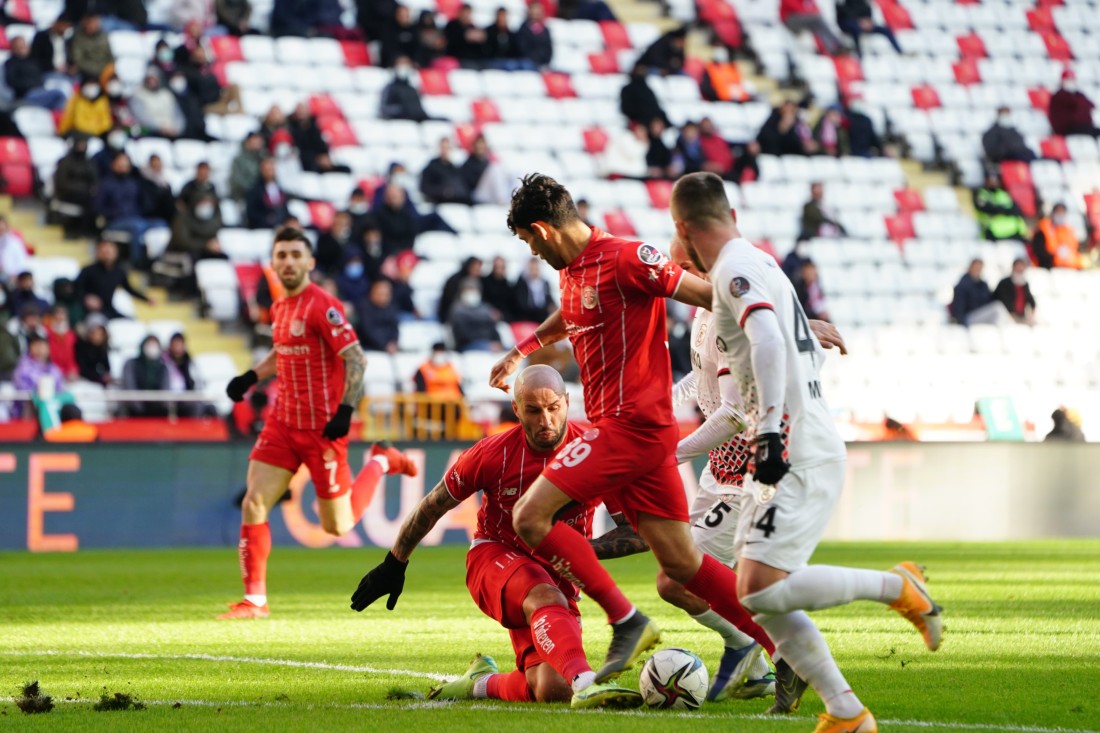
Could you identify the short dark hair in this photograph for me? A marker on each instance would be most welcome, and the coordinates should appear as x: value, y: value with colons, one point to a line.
x: 70, y: 412
x: 292, y: 234
x: 699, y: 199
x: 540, y: 198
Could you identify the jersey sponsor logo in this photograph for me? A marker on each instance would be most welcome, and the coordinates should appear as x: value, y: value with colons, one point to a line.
x: 333, y: 316
x: 297, y: 327
x: 650, y: 255
x: 285, y: 350
x: 589, y: 298
x: 510, y: 491
x: 720, y: 343
x: 739, y: 286
x: 345, y: 327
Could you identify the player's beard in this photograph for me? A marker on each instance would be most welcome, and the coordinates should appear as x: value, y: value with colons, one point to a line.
x: 550, y: 444
x: 295, y: 281
x: 693, y: 255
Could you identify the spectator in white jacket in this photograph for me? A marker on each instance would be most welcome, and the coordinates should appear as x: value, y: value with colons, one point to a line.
x: 155, y: 108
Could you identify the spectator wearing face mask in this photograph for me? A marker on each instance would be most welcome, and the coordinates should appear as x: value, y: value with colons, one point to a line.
x: 87, y: 112
x: 352, y: 282
x: 471, y: 269
x: 1070, y: 111
x: 121, y: 114
x: 1003, y: 142
x: 147, y: 372
x: 190, y: 106
x: 35, y: 367
x: 265, y: 203
x: 438, y: 377
x: 74, y: 182
x: 378, y: 319
x: 400, y: 38
x: 182, y: 375
x: 196, y: 223
x: 333, y: 246
x: 92, y: 351
x: 164, y: 60
x: 62, y: 342
x: 359, y: 214
x: 1014, y: 293
x: 473, y: 323
x: 156, y: 109
x: 244, y: 171
x: 1055, y: 243
x: 89, y: 49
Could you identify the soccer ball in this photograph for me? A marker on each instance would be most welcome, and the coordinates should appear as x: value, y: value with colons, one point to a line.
x: 675, y: 679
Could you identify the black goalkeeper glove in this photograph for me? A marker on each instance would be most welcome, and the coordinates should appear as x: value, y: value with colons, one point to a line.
x: 387, y: 577
x: 240, y: 384
x: 340, y: 423
x: 770, y: 464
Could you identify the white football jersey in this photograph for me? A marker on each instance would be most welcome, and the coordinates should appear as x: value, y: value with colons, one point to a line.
x: 727, y: 461
x: 747, y: 279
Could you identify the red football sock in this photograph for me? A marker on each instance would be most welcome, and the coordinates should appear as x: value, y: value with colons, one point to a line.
x: 254, y: 547
x: 511, y: 687
x: 717, y: 585
x: 362, y: 488
x: 569, y: 553
x: 557, y: 635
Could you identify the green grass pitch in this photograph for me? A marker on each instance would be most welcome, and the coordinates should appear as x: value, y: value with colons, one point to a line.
x: 1021, y: 651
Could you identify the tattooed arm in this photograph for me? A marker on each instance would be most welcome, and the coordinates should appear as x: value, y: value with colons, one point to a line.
x: 355, y: 366
x: 418, y: 524
x: 618, y: 542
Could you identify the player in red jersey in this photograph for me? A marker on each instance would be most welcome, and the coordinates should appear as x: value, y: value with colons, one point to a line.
x: 509, y: 584
x: 613, y: 311
x: 320, y: 364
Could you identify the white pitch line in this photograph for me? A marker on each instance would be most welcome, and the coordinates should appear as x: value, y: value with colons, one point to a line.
x: 488, y: 707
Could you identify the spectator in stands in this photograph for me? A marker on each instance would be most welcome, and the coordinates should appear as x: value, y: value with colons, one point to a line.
x: 433, y: 43
x: 72, y: 427
x: 292, y: 18
x: 497, y: 292
x: 998, y: 215
x: 973, y: 301
x: 74, y: 183
x: 487, y: 180
x: 666, y: 54
x: 810, y: 295
x: 397, y: 224
x: 352, y: 282
x: 49, y: 49
x: 87, y: 112
x: 398, y: 269
x: 197, y: 221
x: 658, y: 158
x: 501, y: 48
x: 64, y: 294
x: 92, y: 351
x: 804, y: 15
x: 596, y: 10
x: 1014, y: 293
x: 441, y: 181
x: 1070, y: 111
x: 785, y: 132
x: 358, y: 210
x: 533, y: 37
x: 244, y: 172
x: 473, y: 323
x: 35, y: 366
x: 863, y: 139
x: 854, y: 17
x: 689, y: 149
x: 532, y: 294
x: 637, y: 101
x: 14, y: 258
x: 156, y: 190
x: 164, y: 59
x: 399, y: 99
x: 583, y: 211
x: 265, y: 202
x: 26, y: 79
x: 1003, y: 142
x: 120, y: 202
x: 234, y: 15
x: 313, y: 151
x: 182, y: 375
x: 470, y: 270
x: 146, y: 372
x: 155, y: 108
x: 26, y: 326
x: 333, y: 246
x: 62, y: 341
x: 123, y: 15
x: 190, y: 106
x: 721, y: 80
x: 465, y: 41
x: 626, y: 153
x: 830, y: 133
x: 198, y: 187
x: 89, y: 48
x: 191, y: 14
x: 1067, y: 427
x: 818, y: 219
x: 400, y: 38
x: 9, y: 345
x: 122, y: 116
x: 23, y: 295
x: 1055, y: 243
x: 438, y: 377
x: 378, y: 318
x: 717, y: 155
x: 96, y: 284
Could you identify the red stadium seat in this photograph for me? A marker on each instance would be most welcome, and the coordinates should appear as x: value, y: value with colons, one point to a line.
x: 909, y: 200
x: 1055, y: 148
x: 766, y: 245
x: 448, y: 8
x: 465, y: 134
x: 14, y: 150
x: 218, y: 70
x: 1040, y: 19
x: 226, y: 48
x: 595, y: 140
x: 695, y: 68
x: 925, y: 97
x: 322, y: 213
x: 971, y: 46
x: 485, y: 110
x: 848, y: 69
x: 558, y: 85
x: 1092, y: 214
x: 966, y: 71
x: 660, y: 193
x: 434, y: 82
x: 20, y: 10
x: 604, y: 63
x: 1016, y: 173
x: 356, y: 53
x: 1024, y: 196
x: 615, y: 37
x: 337, y: 132
x: 248, y: 279
x: 900, y: 227
x: 370, y: 184
x: 729, y: 32
x: 896, y: 16
x: 1057, y: 48
x: 17, y: 180
x: 4, y: 45
x: 522, y: 329
x: 619, y: 225
x: 716, y: 11
x: 323, y: 105
x: 1040, y: 98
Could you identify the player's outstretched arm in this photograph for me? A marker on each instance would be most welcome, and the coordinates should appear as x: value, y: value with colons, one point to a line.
x: 724, y: 423
x: 355, y: 366
x: 388, y: 577
x: 241, y: 383
x: 694, y: 290
x: 618, y: 542
x: 828, y: 336
x: 549, y: 332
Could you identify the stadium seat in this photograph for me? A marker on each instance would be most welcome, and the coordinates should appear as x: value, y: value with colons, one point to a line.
x: 909, y: 200
x: 971, y: 46
x: 1054, y: 148
x: 14, y: 151
x: 226, y: 48
x: 925, y: 97
x: 619, y: 225
x: 660, y: 193
x: 558, y: 86
x: 434, y: 82
x: 603, y: 63
x: 595, y: 140
x: 900, y: 227
x: 485, y: 111
x: 17, y: 180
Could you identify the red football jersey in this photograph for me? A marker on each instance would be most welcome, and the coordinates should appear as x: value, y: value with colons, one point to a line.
x: 612, y: 302
x: 310, y: 332
x: 504, y: 466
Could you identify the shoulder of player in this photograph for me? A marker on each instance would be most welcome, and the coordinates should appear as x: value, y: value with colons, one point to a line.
x: 495, y: 445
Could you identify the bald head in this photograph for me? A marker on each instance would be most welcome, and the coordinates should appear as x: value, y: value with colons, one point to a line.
x: 538, y: 377
x: 542, y: 406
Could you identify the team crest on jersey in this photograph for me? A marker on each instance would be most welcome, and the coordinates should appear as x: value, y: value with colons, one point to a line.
x: 650, y: 255
x: 702, y: 337
x: 589, y: 298
x: 591, y: 434
x: 334, y: 316
x: 766, y: 493
x: 738, y: 287
x: 297, y: 327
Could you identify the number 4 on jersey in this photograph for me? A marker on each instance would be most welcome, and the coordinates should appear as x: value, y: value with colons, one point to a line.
x: 803, y: 339
x: 766, y: 523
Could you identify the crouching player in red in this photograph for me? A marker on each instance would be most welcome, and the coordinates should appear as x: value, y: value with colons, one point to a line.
x: 509, y: 584
x: 320, y: 366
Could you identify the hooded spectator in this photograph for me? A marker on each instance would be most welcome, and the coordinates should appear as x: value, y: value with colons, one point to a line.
x: 400, y: 38
x: 1070, y: 111
x: 92, y: 351
x: 637, y: 101
x: 378, y: 318
x: 399, y: 98
x: 666, y: 54
x: 433, y: 43
x: 1003, y: 142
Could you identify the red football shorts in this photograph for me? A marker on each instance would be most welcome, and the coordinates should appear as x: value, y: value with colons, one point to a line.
x: 499, y: 579
x: 327, y: 460
x: 623, y: 464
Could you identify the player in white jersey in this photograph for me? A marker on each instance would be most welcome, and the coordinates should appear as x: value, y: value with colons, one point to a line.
x: 798, y: 462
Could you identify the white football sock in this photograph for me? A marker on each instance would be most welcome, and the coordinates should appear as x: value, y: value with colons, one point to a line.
x: 583, y: 680
x: 383, y: 461
x: 627, y: 617
x: 732, y: 637
x: 254, y: 599
x: 805, y: 650
x: 481, y: 686
x: 823, y: 586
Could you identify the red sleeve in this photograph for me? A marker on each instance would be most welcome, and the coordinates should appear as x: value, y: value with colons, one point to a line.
x: 644, y: 267
x: 333, y: 326
x: 461, y: 479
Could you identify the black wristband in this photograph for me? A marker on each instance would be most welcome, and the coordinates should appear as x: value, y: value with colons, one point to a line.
x: 251, y: 377
x: 392, y: 561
